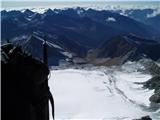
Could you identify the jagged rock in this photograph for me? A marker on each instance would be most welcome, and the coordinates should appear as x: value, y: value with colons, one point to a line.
x: 153, y: 83
x: 150, y: 66
x: 144, y: 118
x: 156, y: 97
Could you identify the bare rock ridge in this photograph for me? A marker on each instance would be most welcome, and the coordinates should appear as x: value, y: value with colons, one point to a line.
x: 120, y: 49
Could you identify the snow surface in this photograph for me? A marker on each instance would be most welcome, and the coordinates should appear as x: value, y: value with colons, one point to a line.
x: 100, y: 94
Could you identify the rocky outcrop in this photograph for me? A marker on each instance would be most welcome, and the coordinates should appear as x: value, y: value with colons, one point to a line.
x: 144, y: 118
x: 153, y: 83
x: 150, y: 67
x: 156, y: 97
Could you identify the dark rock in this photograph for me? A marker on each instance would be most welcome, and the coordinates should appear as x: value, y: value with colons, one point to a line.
x: 144, y: 118
x: 24, y: 85
x: 153, y: 83
x: 150, y: 67
x: 28, y: 12
x: 156, y: 97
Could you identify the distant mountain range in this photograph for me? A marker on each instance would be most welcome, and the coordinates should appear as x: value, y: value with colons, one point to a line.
x: 83, y: 35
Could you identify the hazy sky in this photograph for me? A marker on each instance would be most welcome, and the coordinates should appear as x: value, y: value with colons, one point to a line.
x: 79, y: 0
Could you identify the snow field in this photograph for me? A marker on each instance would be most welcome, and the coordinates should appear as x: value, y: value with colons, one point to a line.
x: 95, y: 94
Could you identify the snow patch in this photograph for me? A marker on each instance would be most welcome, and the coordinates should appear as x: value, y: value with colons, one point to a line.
x: 22, y: 37
x: 79, y: 11
x: 111, y: 19
x: 69, y: 55
x: 49, y: 43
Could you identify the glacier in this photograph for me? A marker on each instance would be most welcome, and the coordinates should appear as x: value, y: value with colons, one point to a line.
x: 101, y: 93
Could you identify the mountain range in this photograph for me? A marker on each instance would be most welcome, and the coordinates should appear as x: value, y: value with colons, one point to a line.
x: 83, y: 36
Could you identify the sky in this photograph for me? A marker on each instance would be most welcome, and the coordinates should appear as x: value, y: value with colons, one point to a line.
x: 79, y: 0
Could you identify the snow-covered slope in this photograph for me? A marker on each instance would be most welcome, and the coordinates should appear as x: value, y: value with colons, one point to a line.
x: 100, y: 93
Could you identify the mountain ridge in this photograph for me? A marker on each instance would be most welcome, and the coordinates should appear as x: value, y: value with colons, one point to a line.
x: 124, y: 48
x: 84, y: 34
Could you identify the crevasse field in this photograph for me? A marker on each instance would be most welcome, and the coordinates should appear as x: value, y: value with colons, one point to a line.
x: 101, y: 93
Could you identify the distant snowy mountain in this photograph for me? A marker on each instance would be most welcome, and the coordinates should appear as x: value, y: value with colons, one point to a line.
x: 87, y: 25
x: 77, y: 31
x: 82, y: 30
x: 117, y: 21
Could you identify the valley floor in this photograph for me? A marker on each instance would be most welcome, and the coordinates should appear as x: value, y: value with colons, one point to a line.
x: 102, y: 93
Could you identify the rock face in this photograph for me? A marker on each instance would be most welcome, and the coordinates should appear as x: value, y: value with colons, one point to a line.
x: 154, y: 82
x: 123, y: 48
x: 144, y: 118
x: 150, y: 67
x: 156, y: 97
